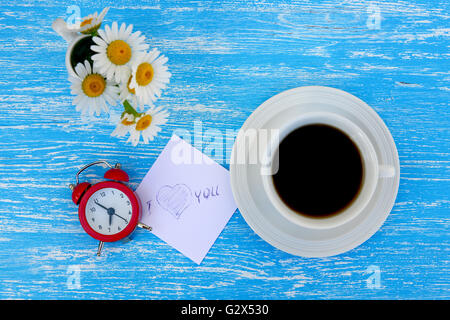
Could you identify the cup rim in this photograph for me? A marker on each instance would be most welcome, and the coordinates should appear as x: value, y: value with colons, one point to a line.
x: 370, y: 165
x: 70, y: 47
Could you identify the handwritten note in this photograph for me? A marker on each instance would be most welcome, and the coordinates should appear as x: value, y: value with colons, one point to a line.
x: 186, y: 198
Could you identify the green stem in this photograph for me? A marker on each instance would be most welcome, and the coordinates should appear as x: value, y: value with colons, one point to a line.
x: 94, y: 33
x: 129, y: 109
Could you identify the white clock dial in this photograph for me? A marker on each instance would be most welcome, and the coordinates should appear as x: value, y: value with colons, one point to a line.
x: 108, y: 211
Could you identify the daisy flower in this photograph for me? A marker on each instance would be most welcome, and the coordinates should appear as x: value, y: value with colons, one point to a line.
x: 117, y: 48
x: 148, y: 125
x: 126, y: 93
x: 149, y: 76
x: 126, y: 123
x: 92, y: 91
x: 91, y: 23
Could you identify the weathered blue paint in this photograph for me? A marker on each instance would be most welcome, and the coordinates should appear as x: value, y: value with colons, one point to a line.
x: 226, y: 58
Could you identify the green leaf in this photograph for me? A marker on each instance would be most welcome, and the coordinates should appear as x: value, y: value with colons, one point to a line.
x: 129, y: 109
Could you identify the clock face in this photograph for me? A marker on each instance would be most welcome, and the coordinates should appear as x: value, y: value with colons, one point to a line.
x: 108, y: 211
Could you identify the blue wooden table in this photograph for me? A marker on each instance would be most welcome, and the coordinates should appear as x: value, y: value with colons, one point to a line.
x: 226, y: 58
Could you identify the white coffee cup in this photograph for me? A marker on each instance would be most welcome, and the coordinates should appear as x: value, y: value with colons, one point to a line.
x: 372, y: 170
x: 72, y: 37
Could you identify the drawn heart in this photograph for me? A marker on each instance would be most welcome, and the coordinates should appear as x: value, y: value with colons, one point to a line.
x: 174, y: 199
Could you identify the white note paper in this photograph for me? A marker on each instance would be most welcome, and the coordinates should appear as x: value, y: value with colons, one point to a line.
x: 186, y: 198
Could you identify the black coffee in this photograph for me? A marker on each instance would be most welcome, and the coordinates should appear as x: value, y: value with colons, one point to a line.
x: 82, y: 51
x: 320, y: 171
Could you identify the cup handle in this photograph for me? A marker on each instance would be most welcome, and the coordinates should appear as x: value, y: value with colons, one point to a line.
x: 386, y: 171
x: 60, y: 27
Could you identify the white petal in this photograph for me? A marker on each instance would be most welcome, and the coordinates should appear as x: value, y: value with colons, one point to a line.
x: 87, y: 65
x: 96, y: 48
x: 108, y: 35
x: 79, y: 69
x: 103, y: 13
x: 114, y: 30
x: 122, y: 30
x: 103, y: 37
x: 128, y: 31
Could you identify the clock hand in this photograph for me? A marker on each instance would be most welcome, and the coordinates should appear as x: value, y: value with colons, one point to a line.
x: 101, y: 205
x: 109, y: 211
x: 120, y: 217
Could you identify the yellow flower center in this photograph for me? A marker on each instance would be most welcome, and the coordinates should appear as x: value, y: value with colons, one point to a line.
x: 132, y: 91
x: 144, y: 74
x: 144, y: 122
x: 85, y: 22
x: 127, y: 122
x: 119, y: 52
x: 93, y: 85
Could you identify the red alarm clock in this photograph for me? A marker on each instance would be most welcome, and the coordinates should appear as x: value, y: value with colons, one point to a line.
x: 108, y: 210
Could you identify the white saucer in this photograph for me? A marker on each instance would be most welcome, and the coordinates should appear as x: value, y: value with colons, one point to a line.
x: 264, y: 218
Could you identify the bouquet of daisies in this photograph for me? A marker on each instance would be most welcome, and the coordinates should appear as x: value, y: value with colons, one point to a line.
x: 121, y: 69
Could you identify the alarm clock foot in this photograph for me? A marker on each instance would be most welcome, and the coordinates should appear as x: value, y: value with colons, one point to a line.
x: 144, y: 226
x: 100, y: 247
